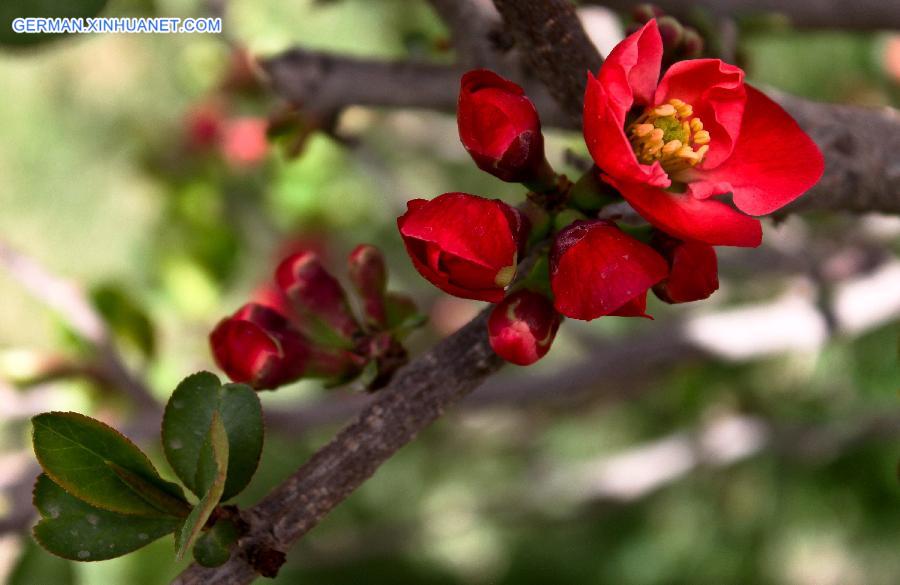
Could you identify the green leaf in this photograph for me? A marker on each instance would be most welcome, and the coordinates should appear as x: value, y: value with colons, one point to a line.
x: 214, y: 547
x: 158, y: 498
x: 74, y: 530
x: 75, y: 452
x: 189, y: 413
x: 12, y: 9
x: 217, y: 440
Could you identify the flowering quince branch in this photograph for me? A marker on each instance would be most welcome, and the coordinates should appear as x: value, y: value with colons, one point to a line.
x: 671, y: 146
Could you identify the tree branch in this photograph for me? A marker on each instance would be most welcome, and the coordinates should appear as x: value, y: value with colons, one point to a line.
x: 418, y: 395
x: 561, y: 54
x: 860, y: 14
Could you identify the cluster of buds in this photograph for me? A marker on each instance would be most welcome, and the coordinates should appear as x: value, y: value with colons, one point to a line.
x: 670, y: 147
x: 305, y: 327
x: 679, y: 41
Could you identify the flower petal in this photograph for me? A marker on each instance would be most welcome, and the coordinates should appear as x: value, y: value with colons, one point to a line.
x: 686, y: 217
x: 596, y: 269
x: 628, y: 76
x: 773, y: 163
x: 716, y: 92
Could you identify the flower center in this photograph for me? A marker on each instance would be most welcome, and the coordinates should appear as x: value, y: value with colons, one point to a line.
x: 668, y: 133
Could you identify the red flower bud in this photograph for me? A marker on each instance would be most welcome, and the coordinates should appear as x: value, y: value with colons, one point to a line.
x: 369, y: 276
x: 693, y: 270
x: 318, y: 298
x: 691, y: 44
x: 671, y: 32
x: 464, y: 244
x: 257, y: 346
x: 522, y: 327
x: 203, y: 125
x: 596, y: 270
x: 500, y: 128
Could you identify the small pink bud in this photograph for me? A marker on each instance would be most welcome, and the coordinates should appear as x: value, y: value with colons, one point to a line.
x: 369, y: 276
x: 244, y: 141
x: 522, y: 327
x: 318, y: 298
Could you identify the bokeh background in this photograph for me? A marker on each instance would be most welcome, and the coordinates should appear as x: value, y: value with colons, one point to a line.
x: 752, y: 438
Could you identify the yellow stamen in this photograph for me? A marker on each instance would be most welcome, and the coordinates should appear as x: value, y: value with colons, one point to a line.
x: 670, y: 134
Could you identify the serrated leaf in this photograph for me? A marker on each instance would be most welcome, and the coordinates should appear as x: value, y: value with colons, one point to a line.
x: 74, y: 530
x: 217, y: 440
x: 214, y: 547
x: 74, y: 451
x: 189, y: 413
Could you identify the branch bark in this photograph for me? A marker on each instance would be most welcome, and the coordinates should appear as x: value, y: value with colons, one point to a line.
x: 861, y: 14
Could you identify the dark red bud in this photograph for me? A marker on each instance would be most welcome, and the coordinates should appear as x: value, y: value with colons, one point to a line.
x: 522, y: 327
x: 464, y: 244
x: 257, y: 346
x: 369, y: 276
x: 318, y: 298
x: 644, y: 13
x: 500, y: 128
x: 691, y: 44
x: 204, y: 126
x: 671, y: 31
x: 693, y: 270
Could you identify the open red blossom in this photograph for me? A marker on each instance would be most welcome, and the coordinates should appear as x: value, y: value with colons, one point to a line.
x: 693, y: 270
x: 500, y: 128
x: 522, y: 327
x: 464, y: 244
x: 596, y: 270
x: 670, y: 145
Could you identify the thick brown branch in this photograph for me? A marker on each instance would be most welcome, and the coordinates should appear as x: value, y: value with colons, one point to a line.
x: 860, y: 14
x: 418, y: 396
x: 555, y: 47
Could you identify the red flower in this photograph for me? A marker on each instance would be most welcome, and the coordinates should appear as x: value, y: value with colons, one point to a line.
x: 522, y: 327
x: 693, y: 270
x: 597, y: 270
x: 464, y: 244
x: 257, y: 346
x: 500, y: 128
x: 701, y: 130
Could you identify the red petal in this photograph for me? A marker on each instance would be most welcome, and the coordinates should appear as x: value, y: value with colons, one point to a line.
x: 636, y: 307
x: 773, y: 163
x: 418, y: 250
x: 693, y: 270
x: 522, y: 327
x: 689, y: 218
x: 628, y: 76
x: 245, y: 352
x: 716, y: 91
x: 595, y: 269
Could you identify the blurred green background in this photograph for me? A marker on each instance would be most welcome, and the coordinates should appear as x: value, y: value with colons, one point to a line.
x: 770, y: 461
